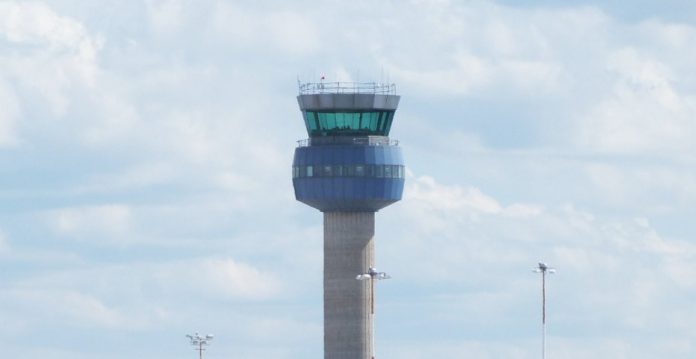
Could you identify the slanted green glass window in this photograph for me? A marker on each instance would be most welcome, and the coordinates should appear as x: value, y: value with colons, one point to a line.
x: 390, y: 117
x: 360, y: 123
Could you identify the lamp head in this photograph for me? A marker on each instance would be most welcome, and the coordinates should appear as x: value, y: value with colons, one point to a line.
x: 543, y: 268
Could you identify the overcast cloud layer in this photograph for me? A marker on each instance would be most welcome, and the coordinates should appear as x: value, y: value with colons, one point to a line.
x: 145, y: 191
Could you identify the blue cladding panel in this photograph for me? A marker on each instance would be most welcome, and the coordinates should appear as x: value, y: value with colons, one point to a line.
x: 299, y: 158
x: 348, y: 193
x: 325, y: 156
x: 343, y: 155
x: 394, y: 156
x: 370, y: 156
x: 370, y: 188
x: 348, y: 188
x: 313, y: 195
x: 380, y: 156
x: 360, y: 156
x: 359, y: 192
x: 295, y: 159
x: 387, y: 156
x: 304, y: 156
x: 339, y: 186
x: 309, y: 156
x: 334, y: 156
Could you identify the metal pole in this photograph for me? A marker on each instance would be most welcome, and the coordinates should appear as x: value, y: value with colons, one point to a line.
x: 543, y: 315
x: 372, y: 296
x: 372, y: 299
x: 543, y: 268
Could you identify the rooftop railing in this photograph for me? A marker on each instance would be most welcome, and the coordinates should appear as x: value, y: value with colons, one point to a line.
x: 313, y: 88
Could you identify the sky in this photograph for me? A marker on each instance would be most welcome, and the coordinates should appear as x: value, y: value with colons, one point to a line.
x: 145, y: 176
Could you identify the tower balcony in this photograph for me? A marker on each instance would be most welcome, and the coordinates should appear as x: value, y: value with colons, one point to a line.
x: 343, y: 140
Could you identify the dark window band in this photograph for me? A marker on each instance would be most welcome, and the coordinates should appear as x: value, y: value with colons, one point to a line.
x: 376, y: 171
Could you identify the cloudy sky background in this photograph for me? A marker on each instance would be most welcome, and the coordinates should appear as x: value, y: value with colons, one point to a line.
x: 145, y: 191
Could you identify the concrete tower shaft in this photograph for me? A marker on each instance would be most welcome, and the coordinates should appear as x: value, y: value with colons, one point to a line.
x: 348, y: 250
x: 348, y: 169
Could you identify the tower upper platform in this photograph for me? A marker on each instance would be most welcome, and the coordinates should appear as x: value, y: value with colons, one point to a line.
x: 347, y: 108
x: 348, y: 164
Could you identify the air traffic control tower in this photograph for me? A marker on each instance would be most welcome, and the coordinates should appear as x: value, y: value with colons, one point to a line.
x: 348, y: 169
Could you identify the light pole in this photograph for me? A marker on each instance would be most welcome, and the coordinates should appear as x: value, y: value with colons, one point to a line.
x: 543, y: 268
x: 199, y: 341
x: 372, y: 275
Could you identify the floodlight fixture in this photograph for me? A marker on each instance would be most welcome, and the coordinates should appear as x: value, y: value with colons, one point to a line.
x: 199, y: 342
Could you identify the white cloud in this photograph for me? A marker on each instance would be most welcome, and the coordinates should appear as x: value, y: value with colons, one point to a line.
x: 597, y: 84
x: 166, y: 15
x: 429, y: 198
x: 293, y: 32
x: 290, y: 32
x: 230, y: 278
x: 461, y: 348
x: 49, y: 68
x: 139, y: 176
x: 644, y: 113
x: 136, y: 296
x: 4, y: 247
x: 66, y: 306
x: 284, y: 329
x: 92, y: 222
x: 657, y: 188
x: 132, y: 296
x: 206, y: 279
x: 478, y: 50
x: 117, y: 119
x: 472, y: 75
x: 62, y: 39
x: 425, y: 189
x: 34, y: 22
x: 10, y: 114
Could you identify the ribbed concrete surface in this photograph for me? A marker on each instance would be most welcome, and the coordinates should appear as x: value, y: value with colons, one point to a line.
x: 348, y: 251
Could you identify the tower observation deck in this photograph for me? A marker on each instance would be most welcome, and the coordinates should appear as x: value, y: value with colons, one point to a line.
x: 348, y: 169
